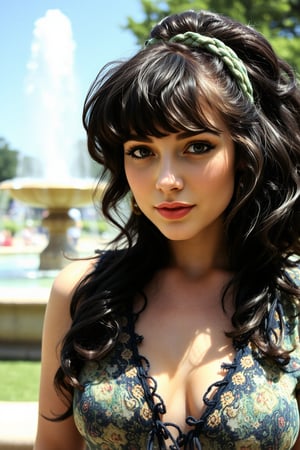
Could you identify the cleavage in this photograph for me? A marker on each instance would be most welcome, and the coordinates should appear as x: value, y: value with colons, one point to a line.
x: 185, y: 356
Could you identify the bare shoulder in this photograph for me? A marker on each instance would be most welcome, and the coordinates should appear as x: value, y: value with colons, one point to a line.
x: 70, y: 276
x: 57, y: 317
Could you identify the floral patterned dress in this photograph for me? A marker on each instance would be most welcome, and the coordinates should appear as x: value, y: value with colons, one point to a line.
x: 253, y: 408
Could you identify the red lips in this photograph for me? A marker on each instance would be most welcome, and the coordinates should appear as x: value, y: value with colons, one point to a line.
x: 173, y: 210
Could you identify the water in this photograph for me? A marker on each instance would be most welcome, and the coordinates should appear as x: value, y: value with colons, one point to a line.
x: 21, y: 270
x: 54, y: 113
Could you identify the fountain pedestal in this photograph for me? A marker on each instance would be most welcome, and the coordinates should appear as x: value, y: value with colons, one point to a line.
x: 59, y: 246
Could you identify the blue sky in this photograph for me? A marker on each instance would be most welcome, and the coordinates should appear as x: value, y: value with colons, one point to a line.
x: 98, y: 36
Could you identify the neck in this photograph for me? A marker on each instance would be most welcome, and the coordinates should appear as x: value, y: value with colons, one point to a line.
x: 198, y: 257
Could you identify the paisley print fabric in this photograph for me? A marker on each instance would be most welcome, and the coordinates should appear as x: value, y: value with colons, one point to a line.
x: 254, y: 407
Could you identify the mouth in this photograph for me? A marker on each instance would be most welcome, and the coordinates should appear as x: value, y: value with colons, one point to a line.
x: 174, y: 210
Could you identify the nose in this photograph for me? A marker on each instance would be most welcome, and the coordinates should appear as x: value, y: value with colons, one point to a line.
x: 168, y: 179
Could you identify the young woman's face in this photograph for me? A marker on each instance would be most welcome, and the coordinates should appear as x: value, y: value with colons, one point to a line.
x: 182, y: 182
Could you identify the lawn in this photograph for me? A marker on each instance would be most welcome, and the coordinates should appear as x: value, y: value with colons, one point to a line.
x: 19, y: 380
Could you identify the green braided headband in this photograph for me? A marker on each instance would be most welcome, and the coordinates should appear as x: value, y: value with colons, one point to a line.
x: 218, y: 48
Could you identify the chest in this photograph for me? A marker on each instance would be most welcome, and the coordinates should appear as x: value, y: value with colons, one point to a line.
x: 186, y: 349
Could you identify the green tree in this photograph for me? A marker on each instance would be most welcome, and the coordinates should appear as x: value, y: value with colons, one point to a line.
x: 279, y: 21
x: 8, y: 161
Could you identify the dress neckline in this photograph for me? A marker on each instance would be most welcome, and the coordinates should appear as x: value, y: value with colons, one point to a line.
x: 168, y: 431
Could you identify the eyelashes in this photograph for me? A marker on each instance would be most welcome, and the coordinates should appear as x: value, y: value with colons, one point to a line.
x: 199, y: 148
x: 194, y: 148
x: 139, y: 152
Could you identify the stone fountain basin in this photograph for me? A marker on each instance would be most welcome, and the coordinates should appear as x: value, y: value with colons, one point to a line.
x: 57, y: 197
x: 43, y: 193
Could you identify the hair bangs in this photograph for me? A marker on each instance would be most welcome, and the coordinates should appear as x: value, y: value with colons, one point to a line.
x: 166, y: 94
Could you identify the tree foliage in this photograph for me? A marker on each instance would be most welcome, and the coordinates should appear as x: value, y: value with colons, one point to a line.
x: 279, y: 21
x: 8, y: 161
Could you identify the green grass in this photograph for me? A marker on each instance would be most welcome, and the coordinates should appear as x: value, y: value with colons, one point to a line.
x: 19, y: 381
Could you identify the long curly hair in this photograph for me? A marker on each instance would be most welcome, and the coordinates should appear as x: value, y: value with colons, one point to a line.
x: 161, y: 90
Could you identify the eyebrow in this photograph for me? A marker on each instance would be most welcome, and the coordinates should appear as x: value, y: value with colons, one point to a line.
x: 138, y: 138
x: 180, y: 135
x: 187, y: 134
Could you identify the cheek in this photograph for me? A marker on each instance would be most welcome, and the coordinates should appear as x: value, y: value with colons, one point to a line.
x: 220, y: 183
x: 129, y: 174
x: 135, y: 179
x: 220, y: 173
x: 225, y: 178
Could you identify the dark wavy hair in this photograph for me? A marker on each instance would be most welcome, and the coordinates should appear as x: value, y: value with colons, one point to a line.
x: 162, y: 90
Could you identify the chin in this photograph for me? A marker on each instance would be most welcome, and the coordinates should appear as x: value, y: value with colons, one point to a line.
x: 178, y: 236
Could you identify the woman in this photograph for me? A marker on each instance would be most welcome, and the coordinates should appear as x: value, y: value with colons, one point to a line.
x: 184, y: 334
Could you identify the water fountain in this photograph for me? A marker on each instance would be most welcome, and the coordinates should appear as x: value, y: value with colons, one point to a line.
x: 57, y: 180
x: 54, y: 182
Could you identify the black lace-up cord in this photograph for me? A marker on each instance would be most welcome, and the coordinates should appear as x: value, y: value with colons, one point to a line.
x: 161, y: 433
